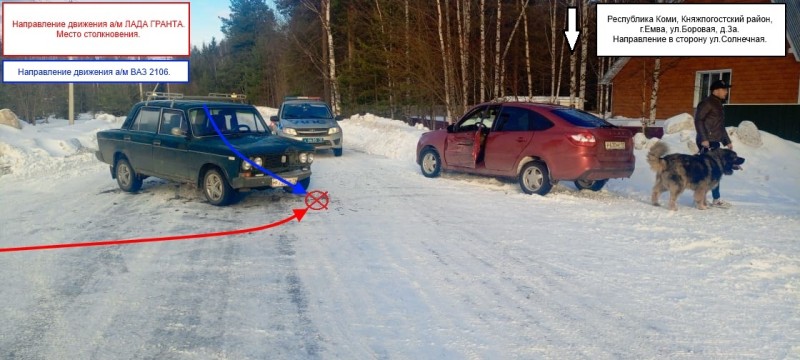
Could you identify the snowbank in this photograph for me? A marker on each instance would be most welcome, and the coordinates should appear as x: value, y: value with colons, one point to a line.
x: 639, y: 141
x: 748, y: 134
x: 632, y: 123
x: 52, y: 147
x: 8, y: 118
x: 380, y: 136
x: 678, y: 123
x: 266, y: 112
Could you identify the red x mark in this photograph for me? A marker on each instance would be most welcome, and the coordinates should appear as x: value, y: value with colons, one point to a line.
x: 317, y: 200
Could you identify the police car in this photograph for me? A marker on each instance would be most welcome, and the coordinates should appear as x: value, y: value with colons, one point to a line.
x: 310, y: 120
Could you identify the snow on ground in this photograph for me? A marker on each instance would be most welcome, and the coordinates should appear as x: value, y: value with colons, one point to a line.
x: 52, y: 147
x: 399, y: 266
x: 266, y: 112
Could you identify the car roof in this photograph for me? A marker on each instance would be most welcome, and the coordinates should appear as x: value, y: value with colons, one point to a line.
x: 526, y: 104
x: 190, y: 104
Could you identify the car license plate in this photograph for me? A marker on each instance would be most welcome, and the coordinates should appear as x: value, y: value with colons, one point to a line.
x: 615, y: 145
x: 278, y: 183
x: 313, y: 140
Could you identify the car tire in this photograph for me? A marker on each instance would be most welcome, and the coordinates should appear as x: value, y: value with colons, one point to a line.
x: 535, y: 179
x: 216, y: 188
x: 127, y: 178
x: 430, y: 163
x: 594, y: 185
x: 337, y: 152
x: 305, y: 183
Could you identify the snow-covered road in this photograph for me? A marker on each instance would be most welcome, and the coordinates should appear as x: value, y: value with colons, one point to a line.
x: 399, y: 266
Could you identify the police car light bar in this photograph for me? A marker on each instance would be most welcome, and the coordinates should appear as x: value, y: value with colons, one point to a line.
x: 302, y: 98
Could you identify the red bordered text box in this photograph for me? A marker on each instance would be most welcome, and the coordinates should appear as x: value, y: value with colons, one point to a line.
x: 131, y: 29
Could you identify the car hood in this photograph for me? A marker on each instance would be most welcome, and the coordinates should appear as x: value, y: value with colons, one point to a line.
x: 308, y: 123
x: 249, y: 145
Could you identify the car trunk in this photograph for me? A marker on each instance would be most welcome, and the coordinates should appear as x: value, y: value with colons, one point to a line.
x: 613, y: 144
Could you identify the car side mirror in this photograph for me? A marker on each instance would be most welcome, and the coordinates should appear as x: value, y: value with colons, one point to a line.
x: 178, y: 132
x: 273, y: 118
x: 451, y: 128
x: 339, y: 117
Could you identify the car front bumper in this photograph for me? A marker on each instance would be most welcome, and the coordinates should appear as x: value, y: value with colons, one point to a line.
x: 320, y: 142
x: 266, y: 181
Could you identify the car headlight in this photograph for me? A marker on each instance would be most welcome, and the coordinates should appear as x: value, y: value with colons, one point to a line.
x: 290, y: 131
x: 303, y: 158
x: 310, y: 158
x: 258, y: 161
x: 246, y: 165
x: 334, y: 130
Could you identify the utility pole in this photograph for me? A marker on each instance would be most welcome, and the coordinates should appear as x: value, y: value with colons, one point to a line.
x: 71, y: 107
x: 71, y: 96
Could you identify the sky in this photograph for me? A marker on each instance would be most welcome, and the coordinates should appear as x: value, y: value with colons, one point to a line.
x: 205, y: 16
x: 205, y: 19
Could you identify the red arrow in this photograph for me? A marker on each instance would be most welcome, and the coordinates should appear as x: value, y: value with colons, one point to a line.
x: 298, y: 214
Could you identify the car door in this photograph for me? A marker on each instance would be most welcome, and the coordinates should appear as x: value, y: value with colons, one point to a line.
x: 464, y: 145
x: 169, y: 150
x: 139, y: 140
x: 511, y: 135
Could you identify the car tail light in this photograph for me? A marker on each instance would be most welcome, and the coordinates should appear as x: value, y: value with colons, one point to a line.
x: 583, y: 139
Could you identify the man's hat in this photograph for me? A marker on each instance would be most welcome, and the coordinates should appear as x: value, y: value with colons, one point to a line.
x: 719, y: 84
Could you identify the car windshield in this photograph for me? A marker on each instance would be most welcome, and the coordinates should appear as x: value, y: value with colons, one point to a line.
x: 581, y: 118
x: 228, y: 120
x: 306, y: 111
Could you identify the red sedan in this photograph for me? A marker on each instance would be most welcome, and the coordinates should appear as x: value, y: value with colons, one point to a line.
x: 537, y: 144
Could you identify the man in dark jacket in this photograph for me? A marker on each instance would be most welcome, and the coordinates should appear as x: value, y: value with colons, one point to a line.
x: 709, y: 121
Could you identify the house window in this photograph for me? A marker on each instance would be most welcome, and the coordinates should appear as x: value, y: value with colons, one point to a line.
x: 703, y: 81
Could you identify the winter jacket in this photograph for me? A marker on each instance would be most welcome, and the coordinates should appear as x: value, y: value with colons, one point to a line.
x: 709, y: 121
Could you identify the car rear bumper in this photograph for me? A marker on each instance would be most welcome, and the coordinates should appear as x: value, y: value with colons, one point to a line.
x: 590, y: 168
x: 265, y: 181
x: 606, y: 173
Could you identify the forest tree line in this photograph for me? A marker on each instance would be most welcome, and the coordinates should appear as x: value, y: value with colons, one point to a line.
x: 394, y: 58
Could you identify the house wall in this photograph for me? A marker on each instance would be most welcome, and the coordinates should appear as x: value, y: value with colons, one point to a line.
x: 759, y: 80
x: 754, y: 80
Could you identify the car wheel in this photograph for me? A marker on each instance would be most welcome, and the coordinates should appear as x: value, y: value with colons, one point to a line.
x: 305, y: 183
x: 431, y: 163
x: 535, y: 179
x: 337, y: 152
x: 127, y: 179
x: 594, y: 185
x: 216, y: 188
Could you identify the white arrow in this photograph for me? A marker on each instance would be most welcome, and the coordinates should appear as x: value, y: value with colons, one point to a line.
x: 572, y: 32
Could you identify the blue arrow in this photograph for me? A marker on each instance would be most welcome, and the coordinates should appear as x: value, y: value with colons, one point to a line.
x: 297, y: 189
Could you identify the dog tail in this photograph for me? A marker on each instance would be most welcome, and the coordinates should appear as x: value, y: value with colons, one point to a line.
x: 657, y: 151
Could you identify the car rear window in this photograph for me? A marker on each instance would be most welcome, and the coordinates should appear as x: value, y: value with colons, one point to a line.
x: 581, y: 118
x: 146, y: 120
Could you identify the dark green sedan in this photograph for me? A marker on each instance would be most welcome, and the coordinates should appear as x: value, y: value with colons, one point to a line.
x: 176, y: 140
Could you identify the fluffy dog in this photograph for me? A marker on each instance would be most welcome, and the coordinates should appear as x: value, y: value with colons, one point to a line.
x: 678, y: 172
